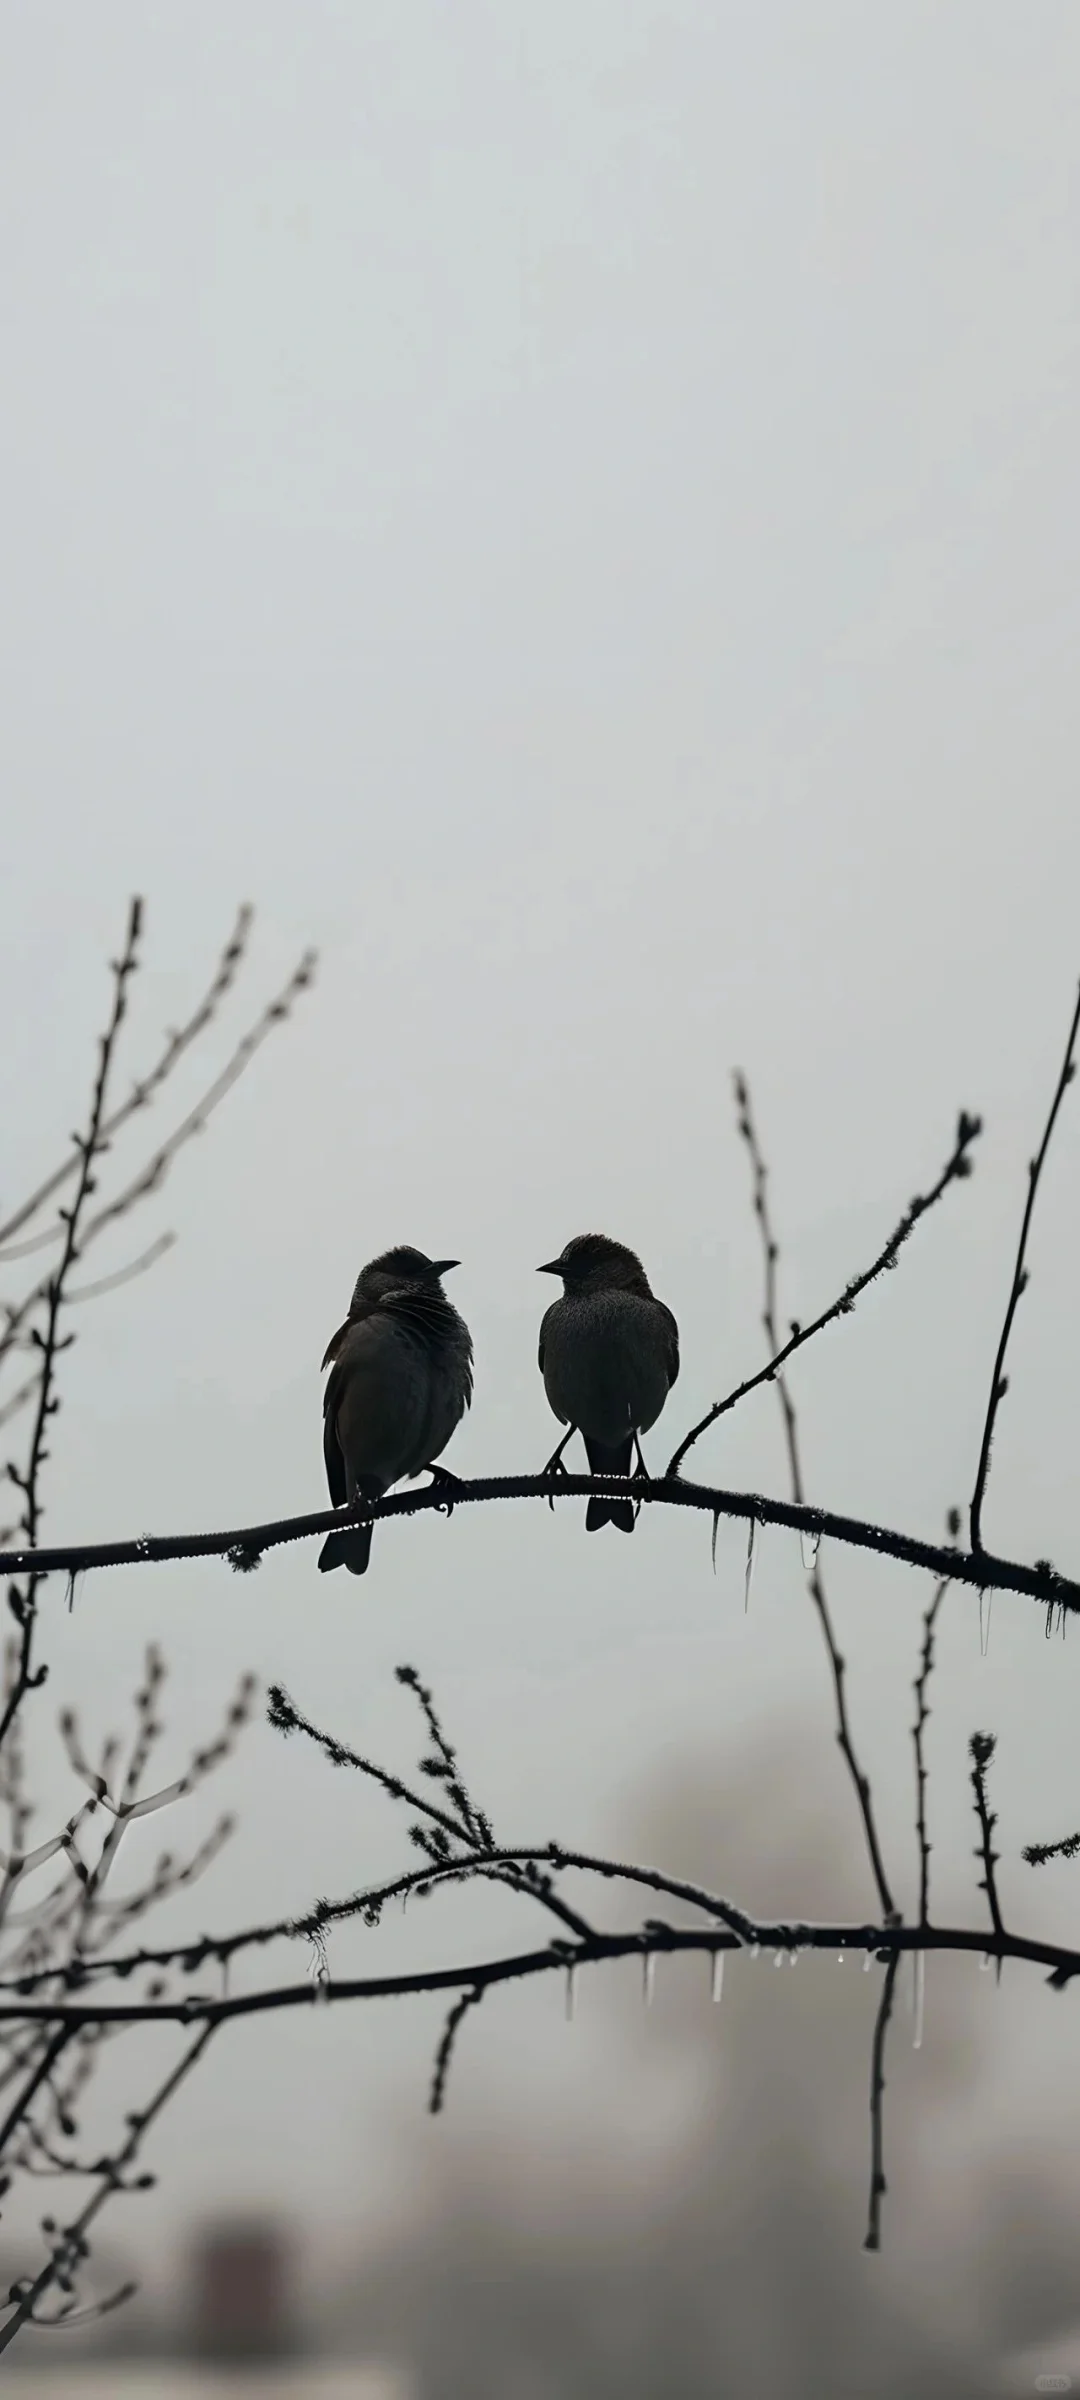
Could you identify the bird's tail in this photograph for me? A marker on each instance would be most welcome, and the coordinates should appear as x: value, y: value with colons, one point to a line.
x: 351, y: 1550
x: 605, y: 1461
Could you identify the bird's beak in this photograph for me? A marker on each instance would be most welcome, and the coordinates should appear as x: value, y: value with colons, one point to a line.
x: 441, y: 1266
x: 553, y: 1267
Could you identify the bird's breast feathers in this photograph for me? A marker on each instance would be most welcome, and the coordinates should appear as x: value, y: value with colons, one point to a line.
x: 609, y: 1359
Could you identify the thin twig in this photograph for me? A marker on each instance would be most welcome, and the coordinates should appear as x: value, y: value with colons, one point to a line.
x: 922, y: 1712
x: 135, y: 1266
x: 445, y: 2052
x: 19, y: 1400
x: 286, y: 1718
x: 51, y: 2053
x: 999, y: 1381
x: 957, y: 1166
x: 71, y: 2247
x: 878, y: 2186
x: 1037, y: 1854
x: 23, y: 1604
x: 151, y: 1177
x: 981, y: 1748
x: 860, y: 1781
x: 143, y: 1092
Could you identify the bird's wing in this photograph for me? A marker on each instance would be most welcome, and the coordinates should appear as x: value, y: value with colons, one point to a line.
x: 544, y: 1321
x: 332, y: 1453
x: 673, y: 1344
x: 335, y: 1464
x: 334, y: 1345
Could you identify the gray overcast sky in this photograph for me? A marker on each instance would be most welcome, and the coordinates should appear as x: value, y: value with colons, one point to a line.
x: 573, y: 509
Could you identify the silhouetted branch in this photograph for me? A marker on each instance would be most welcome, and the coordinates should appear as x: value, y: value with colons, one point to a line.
x: 957, y: 1166
x: 998, y: 1380
x: 50, y: 2054
x: 151, y: 1177
x: 981, y: 1748
x: 71, y: 2245
x: 143, y: 1092
x: 766, y: 1934
x: 88, y: 1145
x: 922, y: 1712
x: 1039, y: 1582
x: 445, y: 2052
x: 878, y: 2186
x: 1037, y: 1854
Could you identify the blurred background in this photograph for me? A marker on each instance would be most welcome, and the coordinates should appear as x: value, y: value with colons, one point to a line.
x: 574, y: 512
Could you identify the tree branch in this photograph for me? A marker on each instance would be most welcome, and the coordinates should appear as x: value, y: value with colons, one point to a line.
x: 957, y: 1166
x: 245, y: 1544
x: 999, y: 1381
x: 878, y: 2185
x: 145, y: 1090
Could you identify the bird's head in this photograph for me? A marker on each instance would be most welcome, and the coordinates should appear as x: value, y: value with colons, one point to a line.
x: 398, y: 1267
x: 592, y: 1263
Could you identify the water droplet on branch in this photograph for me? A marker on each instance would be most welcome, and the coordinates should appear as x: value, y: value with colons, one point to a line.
x: 718, y: 1976
x: 810, y: 1544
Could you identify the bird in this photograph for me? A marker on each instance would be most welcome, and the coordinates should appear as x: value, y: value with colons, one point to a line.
x: 609, y: 1354
x: 400, y: 1381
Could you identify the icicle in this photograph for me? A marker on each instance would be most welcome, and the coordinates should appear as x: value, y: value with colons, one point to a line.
x: 751, y: 1553
x: 717, y: 1976
x: 755, y: 1949
x: 985, y: 1963
x: 648, y: 1978
x: 985, y: 1599
x: 810, y: 1544
x: 918, y: 1996
x: 715, y: 1531
x: 320, y: 1972
x: 868, y: 1960
x: 571, y: 1977
x: 72, y: 1587
x: 778, y: 1958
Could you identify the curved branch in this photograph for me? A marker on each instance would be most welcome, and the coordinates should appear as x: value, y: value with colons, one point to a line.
x: 244, y: 1544
x: 883, y: 1941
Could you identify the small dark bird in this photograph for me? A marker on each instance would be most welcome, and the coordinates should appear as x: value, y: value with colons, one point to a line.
x: 400, y: 1380
x: 609, y: 1354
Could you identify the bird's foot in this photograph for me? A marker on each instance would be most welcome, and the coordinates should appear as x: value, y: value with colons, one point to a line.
x: 443, y: 1480
x: 641, y: 1473
x: 555, y: 1463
